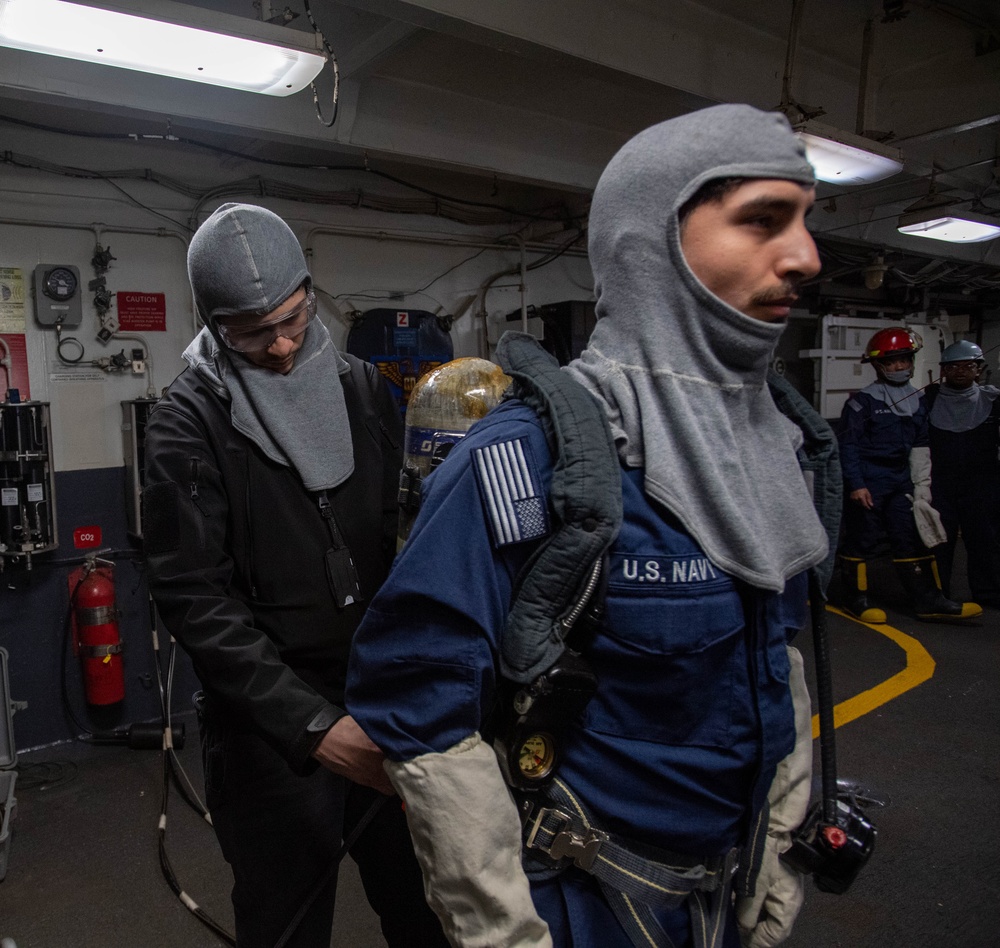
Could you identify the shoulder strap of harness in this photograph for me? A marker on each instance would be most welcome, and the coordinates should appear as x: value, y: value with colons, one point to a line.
x: 586, y: 499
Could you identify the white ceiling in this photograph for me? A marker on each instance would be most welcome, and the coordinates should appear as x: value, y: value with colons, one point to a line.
x: 534, y: 96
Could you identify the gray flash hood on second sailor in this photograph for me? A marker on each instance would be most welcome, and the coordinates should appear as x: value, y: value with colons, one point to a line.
x: 682, y: 374
x: 246, y: 259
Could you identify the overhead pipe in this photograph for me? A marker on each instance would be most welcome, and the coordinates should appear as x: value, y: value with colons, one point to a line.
x: 790, y: 53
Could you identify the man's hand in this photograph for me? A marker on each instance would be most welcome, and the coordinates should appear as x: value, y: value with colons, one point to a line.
x: 862, y: 496
x: 347, y: 750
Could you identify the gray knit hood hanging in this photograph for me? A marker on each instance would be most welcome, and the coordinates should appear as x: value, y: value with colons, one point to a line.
x: 682, y: 374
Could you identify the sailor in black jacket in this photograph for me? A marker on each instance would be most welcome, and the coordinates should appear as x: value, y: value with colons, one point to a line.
x: 270, y: 520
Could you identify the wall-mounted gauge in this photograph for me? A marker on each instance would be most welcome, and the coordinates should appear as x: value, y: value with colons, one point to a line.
x: 60, y: 283
x: 57, y: 295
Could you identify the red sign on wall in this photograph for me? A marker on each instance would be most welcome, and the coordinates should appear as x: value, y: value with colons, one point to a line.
x: 142, y: 312
x: 84, y: 537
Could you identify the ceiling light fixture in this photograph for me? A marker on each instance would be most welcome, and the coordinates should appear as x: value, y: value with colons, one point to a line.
x: 936, y: 216
x: 167, y: 39
x: 957, y: 227
x: 845, y: 158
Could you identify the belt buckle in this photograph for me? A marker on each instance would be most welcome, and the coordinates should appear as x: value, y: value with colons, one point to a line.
x: 581, y: 848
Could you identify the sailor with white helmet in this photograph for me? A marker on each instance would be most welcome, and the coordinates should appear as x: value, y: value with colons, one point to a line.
x: 964, y: 440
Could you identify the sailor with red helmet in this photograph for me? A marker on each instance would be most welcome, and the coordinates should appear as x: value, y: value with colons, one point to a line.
x: 885, y: 456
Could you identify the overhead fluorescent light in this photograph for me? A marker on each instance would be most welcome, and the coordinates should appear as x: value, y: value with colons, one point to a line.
x: 168, y: 39
x: 943, y: 222
x: 843, y: 158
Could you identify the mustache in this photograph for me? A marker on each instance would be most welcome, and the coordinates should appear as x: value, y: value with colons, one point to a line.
x: 787, y: 292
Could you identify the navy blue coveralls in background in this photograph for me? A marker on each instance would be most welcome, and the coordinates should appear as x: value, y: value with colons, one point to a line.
x: 875, y: 445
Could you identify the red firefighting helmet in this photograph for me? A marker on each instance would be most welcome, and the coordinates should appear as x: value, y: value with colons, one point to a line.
x: 894, y: 341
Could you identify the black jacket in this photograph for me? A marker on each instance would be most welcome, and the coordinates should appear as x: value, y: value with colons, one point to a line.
x: 964, y: 461
x: 236, y: 549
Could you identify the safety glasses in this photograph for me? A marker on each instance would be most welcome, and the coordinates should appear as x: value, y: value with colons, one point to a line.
x: 260, y: 336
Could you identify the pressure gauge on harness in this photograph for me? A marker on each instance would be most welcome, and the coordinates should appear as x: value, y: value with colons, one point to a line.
x: 57, y: 295
x: 537, y: 756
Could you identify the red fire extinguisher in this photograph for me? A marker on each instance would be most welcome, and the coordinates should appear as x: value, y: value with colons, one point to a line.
x: 95, y: 632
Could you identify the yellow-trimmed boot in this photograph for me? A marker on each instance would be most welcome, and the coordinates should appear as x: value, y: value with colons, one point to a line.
x: 854, y: 579
x: 920, y: 578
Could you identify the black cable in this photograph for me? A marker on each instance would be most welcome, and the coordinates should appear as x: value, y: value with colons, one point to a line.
x: 45, y: 774
x: 62, y: 340
x: 330, y: 872
x: 554, y: 212
x: 336, y: 73
x: 824, y: 699
x: 168, y: 870
x: 106, y: 554
x: 144, y: 207
x: 170, y: 767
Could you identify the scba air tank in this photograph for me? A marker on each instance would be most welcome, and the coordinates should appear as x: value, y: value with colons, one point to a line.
x: 443, y: 406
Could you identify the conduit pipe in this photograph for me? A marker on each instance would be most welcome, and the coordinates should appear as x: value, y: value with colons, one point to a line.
x: 414, y: 237
x: 150, y: 387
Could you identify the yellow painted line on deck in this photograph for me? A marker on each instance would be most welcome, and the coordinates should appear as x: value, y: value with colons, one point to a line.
x: 919, y: 668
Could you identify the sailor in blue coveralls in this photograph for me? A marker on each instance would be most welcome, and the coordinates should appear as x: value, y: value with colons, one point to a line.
x: 886, y: 460
x: 693, y: 715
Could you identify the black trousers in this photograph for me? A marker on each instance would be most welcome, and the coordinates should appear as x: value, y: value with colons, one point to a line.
x: 973, y: 507
x: 891, y: 515
x: 279, y: 833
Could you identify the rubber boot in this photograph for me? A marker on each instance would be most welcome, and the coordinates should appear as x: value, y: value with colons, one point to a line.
x: 920, y: 579
x: 854, y: 582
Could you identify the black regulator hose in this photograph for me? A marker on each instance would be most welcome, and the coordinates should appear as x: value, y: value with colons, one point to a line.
x: 824, y: 699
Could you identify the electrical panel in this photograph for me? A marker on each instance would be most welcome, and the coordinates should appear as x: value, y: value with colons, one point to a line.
x: 27, y: 482
x: 135, y: 416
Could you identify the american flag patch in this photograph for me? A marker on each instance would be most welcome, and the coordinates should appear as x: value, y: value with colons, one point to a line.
x: 508, y: 486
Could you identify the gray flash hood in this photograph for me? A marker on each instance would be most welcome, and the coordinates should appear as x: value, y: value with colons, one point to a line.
x: 682, y: 375
x: 245, y: 259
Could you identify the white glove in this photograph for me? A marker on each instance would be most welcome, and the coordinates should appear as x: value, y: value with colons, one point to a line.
x: 467, y: 837
x: 920, y: 474
x: 766, y: 917
x: 928, y: 521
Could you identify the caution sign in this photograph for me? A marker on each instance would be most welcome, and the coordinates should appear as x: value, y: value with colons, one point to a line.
x: 141, y: 312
